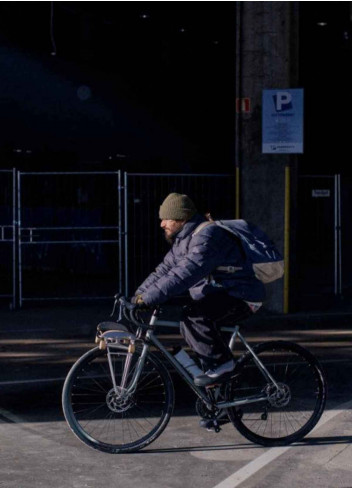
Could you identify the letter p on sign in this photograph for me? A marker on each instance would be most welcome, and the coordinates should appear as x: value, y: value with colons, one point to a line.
x: 283, y: 101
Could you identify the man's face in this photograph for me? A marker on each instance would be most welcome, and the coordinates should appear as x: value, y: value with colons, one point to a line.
x: 171, y: 228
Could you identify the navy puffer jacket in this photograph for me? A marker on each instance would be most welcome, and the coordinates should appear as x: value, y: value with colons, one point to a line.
x: 191, y: 263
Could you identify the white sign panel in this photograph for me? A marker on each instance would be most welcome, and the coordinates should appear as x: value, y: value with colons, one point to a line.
x: 282, y: 130
x: 320, y: 192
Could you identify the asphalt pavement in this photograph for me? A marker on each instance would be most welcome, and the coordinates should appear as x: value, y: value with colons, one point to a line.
x: 39, y: 344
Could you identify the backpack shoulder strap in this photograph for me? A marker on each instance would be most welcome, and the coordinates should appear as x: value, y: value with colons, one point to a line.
x: 227, y: 228
x: 202, y: 226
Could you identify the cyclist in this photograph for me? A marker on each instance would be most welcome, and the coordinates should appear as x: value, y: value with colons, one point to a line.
x: 192, y: 264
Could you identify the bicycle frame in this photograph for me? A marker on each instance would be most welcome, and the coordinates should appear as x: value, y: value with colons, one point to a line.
x: 151, y: 339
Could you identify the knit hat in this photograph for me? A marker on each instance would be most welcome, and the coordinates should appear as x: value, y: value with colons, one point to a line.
x: 177, y: 207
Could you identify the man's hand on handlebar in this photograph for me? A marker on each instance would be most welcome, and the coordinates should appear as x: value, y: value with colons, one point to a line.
x: 137, y: 300
x: 139, y: 303
x: 135, y: 303
x: 131, y: 310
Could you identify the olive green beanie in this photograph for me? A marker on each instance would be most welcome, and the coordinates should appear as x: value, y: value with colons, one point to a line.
x: 177, y: 207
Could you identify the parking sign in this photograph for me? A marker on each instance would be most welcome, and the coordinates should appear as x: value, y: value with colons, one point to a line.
x: 282, y: 130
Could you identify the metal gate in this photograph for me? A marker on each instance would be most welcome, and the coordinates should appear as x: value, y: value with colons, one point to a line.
x: 319, y: 256
x: 144, y: 246
x: 68, y: 235
x: 8, y: 235
x: 346, y: 245
x: 86, y: 235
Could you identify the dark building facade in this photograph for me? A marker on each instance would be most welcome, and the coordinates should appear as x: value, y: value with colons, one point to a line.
x: 152, y: 87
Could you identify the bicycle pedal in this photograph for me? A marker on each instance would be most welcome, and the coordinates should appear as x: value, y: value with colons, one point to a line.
x: 216, y: 426
x: 210, y: 425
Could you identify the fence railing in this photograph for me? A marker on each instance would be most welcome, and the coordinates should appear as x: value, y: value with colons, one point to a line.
x: 87, y: 235
x: 8, y: 235
x: 319, y: 243
x: 66, y: 222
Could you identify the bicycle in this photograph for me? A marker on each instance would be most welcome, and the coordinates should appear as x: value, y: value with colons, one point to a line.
x: 119, y: 396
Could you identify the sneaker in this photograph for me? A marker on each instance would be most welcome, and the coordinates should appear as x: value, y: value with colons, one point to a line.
x: 216, y: 375
x: 206, y: 423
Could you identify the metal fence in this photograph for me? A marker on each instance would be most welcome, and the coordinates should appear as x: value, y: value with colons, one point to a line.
x: 68, y: 235
x: 319, y: 237
x: 87, y: 235
x: 8, y: 235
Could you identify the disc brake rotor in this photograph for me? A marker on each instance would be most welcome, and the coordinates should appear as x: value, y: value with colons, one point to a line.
x: 118, y: 402
x: 278, y: 397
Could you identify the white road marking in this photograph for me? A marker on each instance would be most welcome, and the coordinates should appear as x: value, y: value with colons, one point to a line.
x: 235, y: 479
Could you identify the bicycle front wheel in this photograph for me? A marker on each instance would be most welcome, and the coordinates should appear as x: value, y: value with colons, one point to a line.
x: 108, y: 421
x: 291, y: 411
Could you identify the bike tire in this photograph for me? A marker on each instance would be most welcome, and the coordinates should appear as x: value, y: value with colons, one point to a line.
x: 103, y: 423
x: 305, y: 394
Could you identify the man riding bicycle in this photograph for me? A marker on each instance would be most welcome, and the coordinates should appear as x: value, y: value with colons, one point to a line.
x: 198, y: 251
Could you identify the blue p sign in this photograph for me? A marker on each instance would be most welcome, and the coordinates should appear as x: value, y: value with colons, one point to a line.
x: 282, y: 101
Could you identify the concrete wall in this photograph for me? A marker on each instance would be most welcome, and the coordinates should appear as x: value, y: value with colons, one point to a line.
x: 268, y: 40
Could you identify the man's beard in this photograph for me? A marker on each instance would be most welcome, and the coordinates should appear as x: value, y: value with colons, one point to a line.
x: 170, y: 239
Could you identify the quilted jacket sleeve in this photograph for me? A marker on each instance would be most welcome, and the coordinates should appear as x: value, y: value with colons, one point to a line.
x: 161, y: 270
x: 206, y: 251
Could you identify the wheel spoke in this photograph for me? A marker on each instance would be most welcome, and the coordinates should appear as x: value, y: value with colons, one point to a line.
x: 290, y: 412
x: 109, y: 419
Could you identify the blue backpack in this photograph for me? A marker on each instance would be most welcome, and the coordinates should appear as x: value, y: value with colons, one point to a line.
x: 260, y: 252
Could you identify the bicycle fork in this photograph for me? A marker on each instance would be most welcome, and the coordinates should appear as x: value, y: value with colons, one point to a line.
x: 124, y: 388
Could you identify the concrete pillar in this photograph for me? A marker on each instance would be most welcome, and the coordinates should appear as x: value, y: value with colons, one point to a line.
x: 267, y: 41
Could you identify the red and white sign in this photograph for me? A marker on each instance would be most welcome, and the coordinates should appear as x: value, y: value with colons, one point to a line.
x: 243, y: 105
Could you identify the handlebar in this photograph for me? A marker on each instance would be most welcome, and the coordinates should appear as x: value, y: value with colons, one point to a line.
x: 128, y: 305
x: 128, y: 310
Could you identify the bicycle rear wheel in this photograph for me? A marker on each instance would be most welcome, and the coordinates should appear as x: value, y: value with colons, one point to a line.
x: 284, y: 417
x: 109, y: 422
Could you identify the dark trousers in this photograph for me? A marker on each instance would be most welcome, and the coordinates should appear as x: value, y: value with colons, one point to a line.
x: 200, y: 326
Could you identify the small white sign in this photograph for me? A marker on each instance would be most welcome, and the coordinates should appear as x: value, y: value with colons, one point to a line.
x: 319, y: 192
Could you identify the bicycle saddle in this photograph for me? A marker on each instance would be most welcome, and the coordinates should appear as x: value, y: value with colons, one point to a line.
x: 111, y: 325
